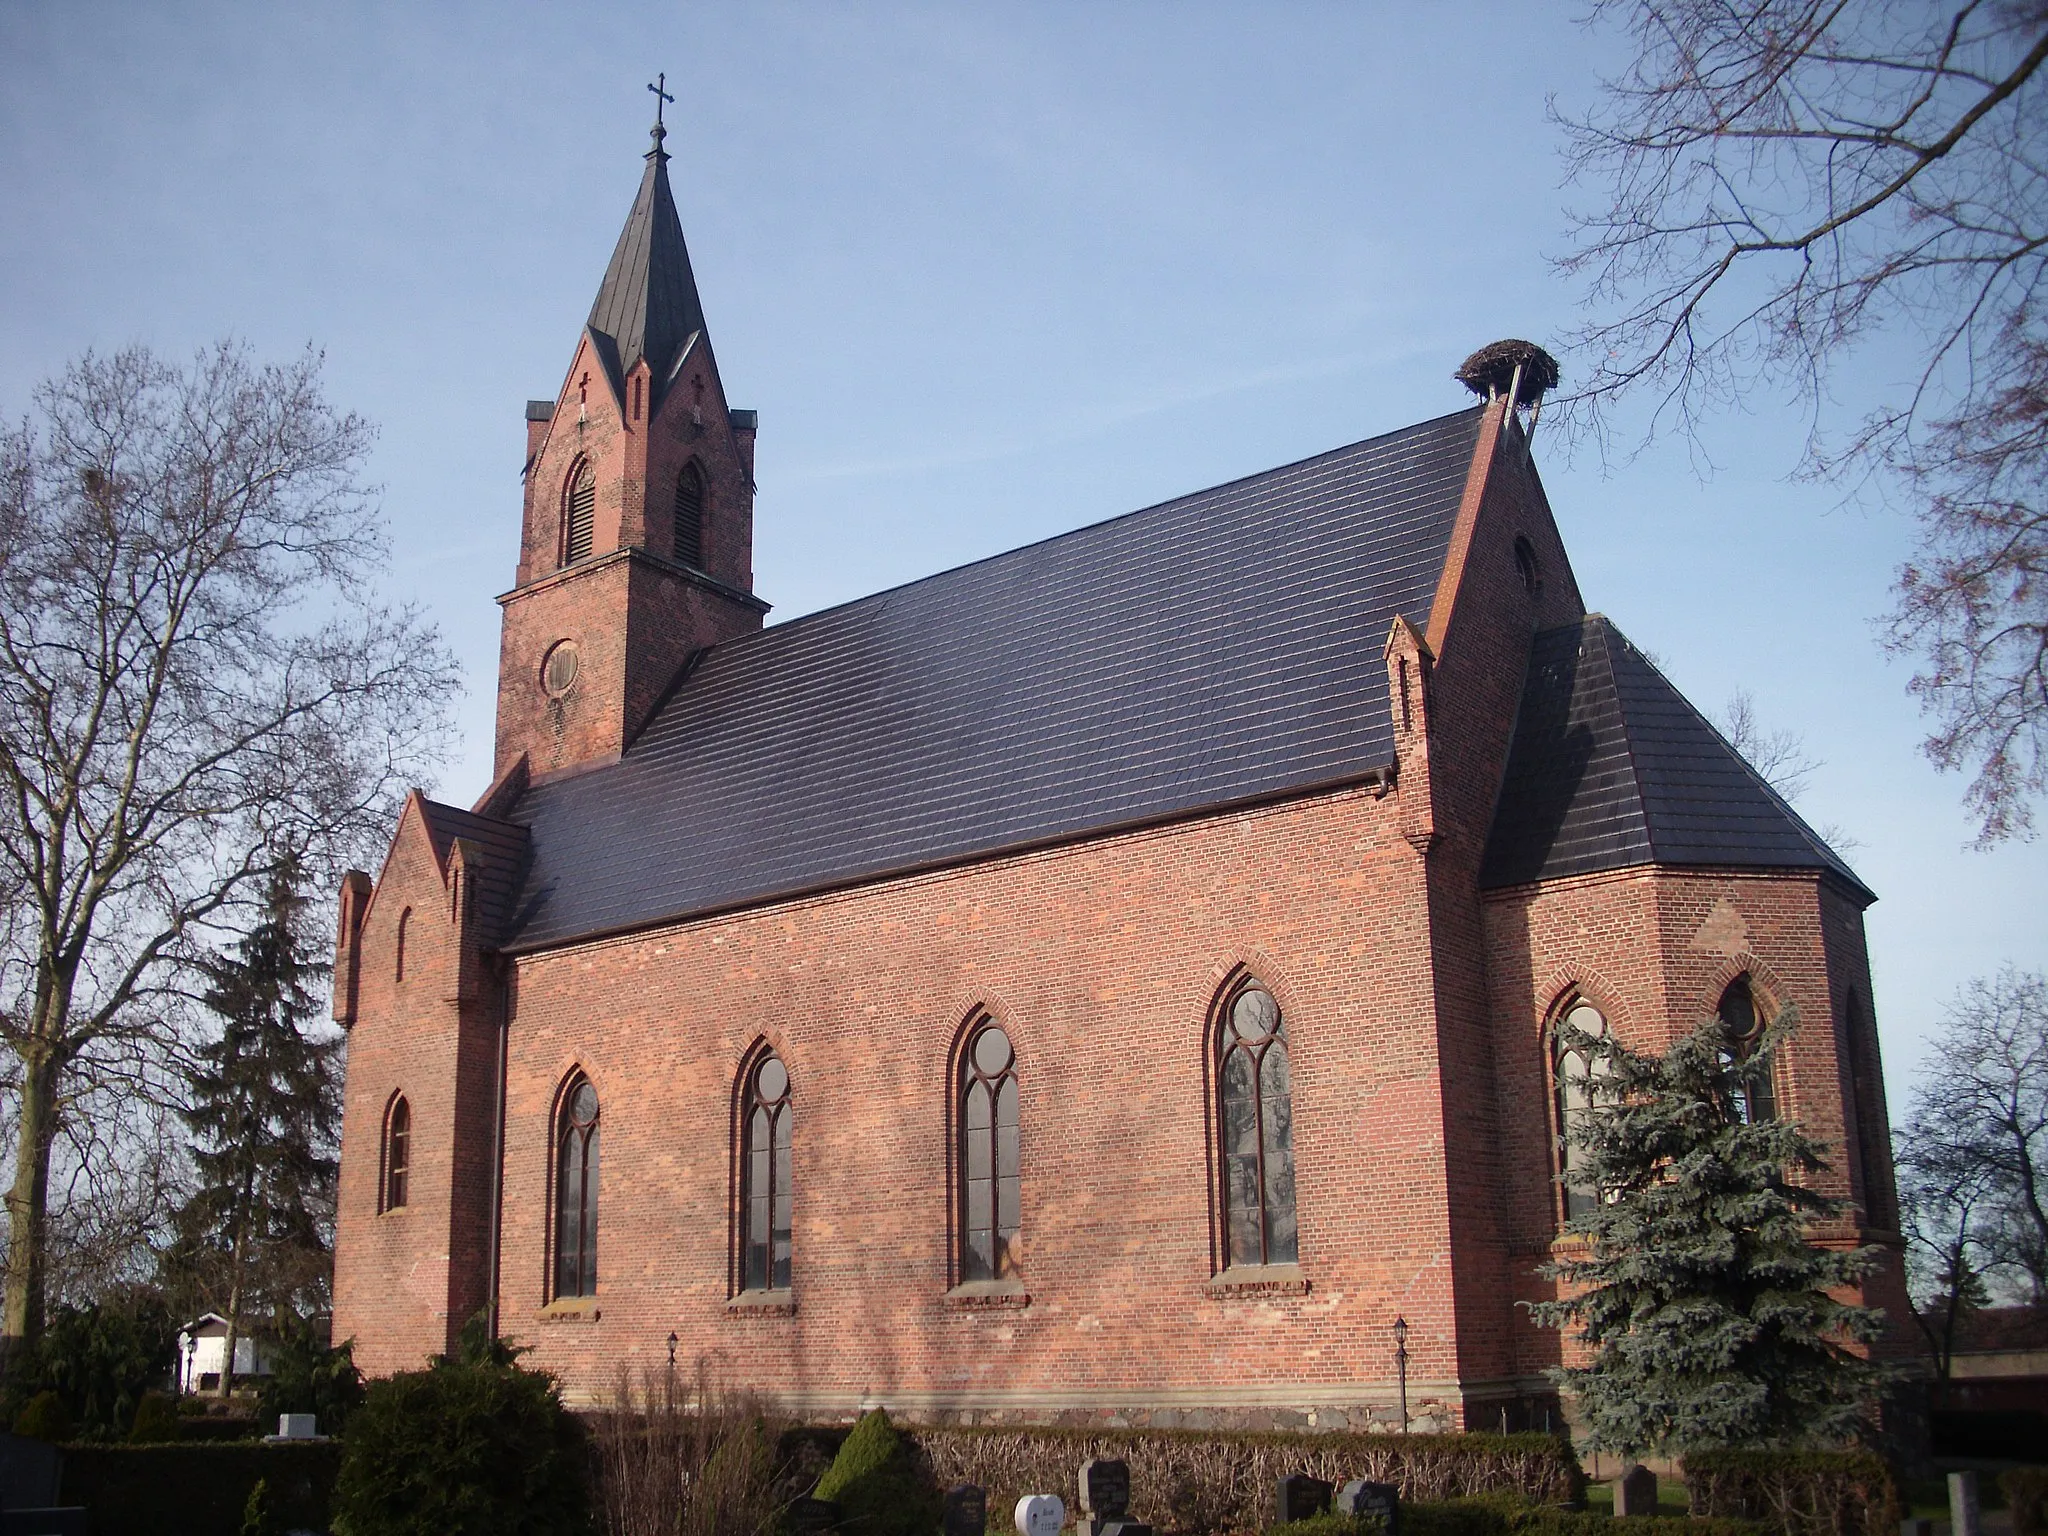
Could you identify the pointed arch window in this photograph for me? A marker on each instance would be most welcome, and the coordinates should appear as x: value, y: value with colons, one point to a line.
x: 1742, y: 1031
x: 579, y: 512
x: 991, y: 1188
x: 397, y: 1155
x: 398, y: 956
x: 576, y: 1168
x: 1255, y: 1113
x: 766, y: 1190
x: 689, y: 515
x: 1579, y: 1070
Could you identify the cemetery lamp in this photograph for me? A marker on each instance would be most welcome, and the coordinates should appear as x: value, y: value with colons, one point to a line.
x: 1401, y: 1365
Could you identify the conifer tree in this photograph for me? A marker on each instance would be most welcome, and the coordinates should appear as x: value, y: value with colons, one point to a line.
x: 1701, y: 1298
x: 264, y: 1115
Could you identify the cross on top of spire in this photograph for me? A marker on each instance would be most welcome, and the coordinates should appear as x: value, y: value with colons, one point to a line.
x: 661, y: 99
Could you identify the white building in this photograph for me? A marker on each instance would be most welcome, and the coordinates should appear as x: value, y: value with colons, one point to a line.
x: 203, y: 1349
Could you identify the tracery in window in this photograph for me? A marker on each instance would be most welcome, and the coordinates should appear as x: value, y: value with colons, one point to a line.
x: 579, y: 513
x: 689, y: 515
x: 991, y: 1191
x: 576, y: 1191
x: 1256, y: 1117
x: 1579, y: 1071
x: 766, y: 1191
x: 397, y: 1154
x: 1742, y: 1031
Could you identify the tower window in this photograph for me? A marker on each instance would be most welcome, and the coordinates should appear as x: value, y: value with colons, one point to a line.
x: 766, y: 1195
x: 1579, y: 1071
x: 689, y: 543
x: 1256, y: 1115
x: 398, y: 956
x: 579, y: 513
x: 576, y: 1192
x: 990, y: 1176
x: 1526, y: 566
x: 1742, y: 1031
x: 397, y: 1154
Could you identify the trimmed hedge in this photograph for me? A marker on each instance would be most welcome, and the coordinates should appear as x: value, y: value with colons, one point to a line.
x: 1215, y: 1480
x: 198, y: 1490
x: 2026, y: 1495
x: 1797, y: 1493
x: 1507, y: 1515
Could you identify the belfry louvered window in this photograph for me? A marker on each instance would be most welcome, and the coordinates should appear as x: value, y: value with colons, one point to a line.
x: 690, y: 516
x: 1256, y: 1114
x: 579, y: 513
x: 766, y: 1196
x: 990, y: 1176
x: 576, y: 1191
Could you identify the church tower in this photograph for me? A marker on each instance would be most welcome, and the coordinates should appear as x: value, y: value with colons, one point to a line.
x: 637, y: 545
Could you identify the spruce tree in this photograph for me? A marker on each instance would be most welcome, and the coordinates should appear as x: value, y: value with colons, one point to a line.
x: 264, y: 1115
x: 1703, y: 1302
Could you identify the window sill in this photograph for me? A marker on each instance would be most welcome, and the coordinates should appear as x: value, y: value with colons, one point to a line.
x: 762, y: 1304
x: 1256, y: 1280
x: 972, y: 1295
x: 571, y: 1309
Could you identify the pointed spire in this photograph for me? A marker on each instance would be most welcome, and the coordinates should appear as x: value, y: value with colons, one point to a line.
x: 648, y: 306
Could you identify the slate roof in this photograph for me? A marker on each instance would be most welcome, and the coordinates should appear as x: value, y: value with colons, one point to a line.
x: 648, y: 305
x: 504, y: 849
x: 1223, y: 647
x: 1611, y: 767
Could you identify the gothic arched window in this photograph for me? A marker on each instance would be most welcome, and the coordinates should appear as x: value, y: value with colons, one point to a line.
x: 1256, y: 1116
x: 765, y: 1189
x: 398, y: 957
x: 397, y: 1154
x: 689, y: 533
x: 579, y: 512
x: 576, y: 1191
x: 1742, y: 1031
x: 1579, y: 1070
x: 991, y: 1190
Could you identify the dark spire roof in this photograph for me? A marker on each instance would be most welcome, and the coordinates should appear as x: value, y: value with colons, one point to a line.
x: 1611, y: 767
x: 648, y: 306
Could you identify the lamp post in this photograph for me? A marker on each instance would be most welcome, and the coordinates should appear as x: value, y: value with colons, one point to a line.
x: 1401, y: 1366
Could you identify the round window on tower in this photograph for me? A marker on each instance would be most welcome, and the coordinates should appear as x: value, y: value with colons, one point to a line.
x: 559, y: 669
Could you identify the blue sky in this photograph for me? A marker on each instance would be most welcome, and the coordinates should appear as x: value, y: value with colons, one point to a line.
x: 988, y: 272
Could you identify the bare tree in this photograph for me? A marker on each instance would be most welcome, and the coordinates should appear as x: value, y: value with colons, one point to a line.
x: 1973, y: 1151
x: 1780, y: 756
x: 196, y: 684
x: 1780, y: 181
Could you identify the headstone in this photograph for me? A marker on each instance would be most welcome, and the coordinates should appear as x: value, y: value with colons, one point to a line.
x: 1635, y: 1492
x: 298, y: 1426
x: 67, y: 1520
x: 1965, y: 1515
x: 812, y: 1517
x: 1923, y: 1526
x: 1300, y: 1497
x: 966, y: 1510
x: 29, y: 1472
x: 1105, y: 1488
x: 1040, y: 1514
x: 1381, y: 1500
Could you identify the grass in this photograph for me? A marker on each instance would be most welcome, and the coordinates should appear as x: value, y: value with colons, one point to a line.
x: 1671, y: 1498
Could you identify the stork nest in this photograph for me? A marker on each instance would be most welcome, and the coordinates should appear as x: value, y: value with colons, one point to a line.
x: 1491, y: 371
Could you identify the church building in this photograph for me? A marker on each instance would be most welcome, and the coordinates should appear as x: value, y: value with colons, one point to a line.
x: 1117, y: 981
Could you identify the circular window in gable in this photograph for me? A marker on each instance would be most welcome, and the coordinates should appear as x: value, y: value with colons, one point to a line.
x: 560, y: 668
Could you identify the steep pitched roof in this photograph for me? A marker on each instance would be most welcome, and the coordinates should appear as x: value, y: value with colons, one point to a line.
x: 504, y: 850
x: 648, y: 305
x: 1215, y: 649
x: 1611, y: 767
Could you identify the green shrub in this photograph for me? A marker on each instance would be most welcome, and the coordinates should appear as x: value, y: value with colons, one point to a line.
x: 2026, y: 1495
x: 1797, y: 1493
x: 876, y: 1484
x: 1507, y: 1515
x: 463, y: 1449
x: 45, y: 1418
x: 100, y: 1360
x: 198, y: 1489
x: 156, y: 1419
x: 308, y: 1377
x: 259, y: 1512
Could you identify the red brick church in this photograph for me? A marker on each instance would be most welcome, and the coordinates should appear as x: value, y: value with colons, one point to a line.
x: 1113, y: 980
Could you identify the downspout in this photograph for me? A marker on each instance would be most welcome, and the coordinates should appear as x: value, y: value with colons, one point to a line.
x: 502, y: 1004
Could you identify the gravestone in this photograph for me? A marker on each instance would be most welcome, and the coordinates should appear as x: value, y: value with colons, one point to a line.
x: 1040, y: 1514
x: 1965, y: 1515
x: 1382, y: 1500
x: 1105, y: 1488
x: 813, y: 1517
x: 29, y: 1472
x: 1635, y: 1493
x: 66, y: 1521
x: 1300, y: 1497
x: 966, y: 1510
x: 297, y: 1426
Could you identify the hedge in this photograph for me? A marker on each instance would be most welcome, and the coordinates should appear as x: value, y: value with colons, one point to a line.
x: 2026, y: 1495
x: 1507, y: 1515
x: 1797, y: 1493
x: 197, y: 1489
x: 1199, y: 1479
